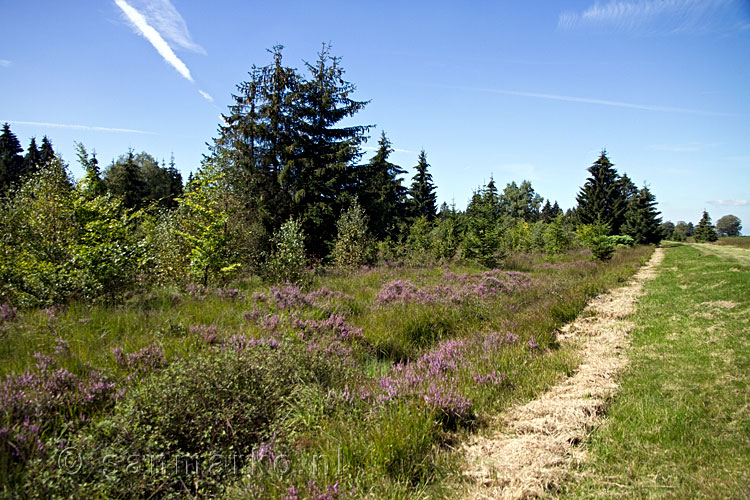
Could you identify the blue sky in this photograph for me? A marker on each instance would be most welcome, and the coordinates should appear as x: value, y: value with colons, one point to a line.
x: 517, y: 90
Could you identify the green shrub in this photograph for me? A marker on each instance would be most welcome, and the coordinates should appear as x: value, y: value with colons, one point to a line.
x: 622, y: 241
x: 220, y: 407
x: 602, y: 247
x: 288, y: 260
x: 353, y: 246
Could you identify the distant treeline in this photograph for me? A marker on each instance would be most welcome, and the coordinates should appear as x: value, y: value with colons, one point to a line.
x: 282, y: 189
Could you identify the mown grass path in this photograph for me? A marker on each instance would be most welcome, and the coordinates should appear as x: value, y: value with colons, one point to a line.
x: 534, y: 446
x: 680, y: 425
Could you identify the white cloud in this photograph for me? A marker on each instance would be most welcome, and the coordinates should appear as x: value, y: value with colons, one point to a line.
x: 4, y: 63
x: 729, y: 203
x: 147, y: 31
x: 162, y: 15
x: 651, y: 15
x: 79, y: 127
x: 206, y: 95
x: 602, y: 102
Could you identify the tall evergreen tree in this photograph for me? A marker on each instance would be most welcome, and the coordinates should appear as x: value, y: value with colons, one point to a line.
x: 32, y: 160
x: 705, y: 230
x: 601, y: 199
x: 482, y: 236
x: 380, y: 192
x: 642, y: 221
x: 422, y: 195
x: 11, y: 161
x: 285, y: 150
x: 124, y: 178
x: 325, y: 177
x: 549, y: 212
x: 46, y: 153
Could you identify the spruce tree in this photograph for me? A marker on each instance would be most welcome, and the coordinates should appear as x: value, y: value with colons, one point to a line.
x: 32, y: 160
x: 11, y: 161
x: 380, y: 192
x: 324, y: 183
x: 46, y: 153
x: 642, y: 221
x: 705, y: 230
x: 124, y: 178
x: 422, y: 195
x: 601, y: 199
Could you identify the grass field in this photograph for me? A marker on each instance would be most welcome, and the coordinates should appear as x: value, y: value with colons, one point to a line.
x: 736, y: 241
x: 680, y: 426
x: 357, y: 386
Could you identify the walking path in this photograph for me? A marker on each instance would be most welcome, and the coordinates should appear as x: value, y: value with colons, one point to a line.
x: 536, y: 444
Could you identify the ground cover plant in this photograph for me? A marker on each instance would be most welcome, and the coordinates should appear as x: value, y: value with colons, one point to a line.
x: 355, y: 384
x: 680, y: 425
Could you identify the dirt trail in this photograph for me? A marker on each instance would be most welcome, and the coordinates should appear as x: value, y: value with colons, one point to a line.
x: 535, y: 446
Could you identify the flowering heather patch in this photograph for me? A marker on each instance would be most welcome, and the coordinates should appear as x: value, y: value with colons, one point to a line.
x: 311, y: 491
x: 147, y: 359
x: 50, y: 312
x: 453, y: 408
x: 34, y: 402
x: 483, y: 286
x: 533, y: 344
x: 492, y: 378
x: 335, y: 325
x: 227, y: 293
x: 579, y: 264
x: 241, y: 342
x: 290, y: 296
x: 7, y: 312
x: 209, y: 334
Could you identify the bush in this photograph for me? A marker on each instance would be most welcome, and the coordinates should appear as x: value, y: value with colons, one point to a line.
x: 602, y: 247
x: 288, y: 260
x: 622, y: 241
x: 221, y: 407
x: 353, y: 245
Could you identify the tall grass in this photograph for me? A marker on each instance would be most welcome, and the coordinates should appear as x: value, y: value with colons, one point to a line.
x: 376, y: 371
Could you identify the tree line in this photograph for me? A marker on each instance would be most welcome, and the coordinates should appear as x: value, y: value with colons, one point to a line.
x: 282, y: 188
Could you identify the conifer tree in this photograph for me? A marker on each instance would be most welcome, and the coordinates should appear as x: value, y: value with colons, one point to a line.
x: 124, y: 178
x: 601, y: 199
x: 32, y: 160
x: 11, y: 161
x: 325, y: 180
x: 93, y: 185
x: 642, y: 221
x: 46, y: 153
x: 422, y: 195
x: 380, y: 192
x: 705, y: 230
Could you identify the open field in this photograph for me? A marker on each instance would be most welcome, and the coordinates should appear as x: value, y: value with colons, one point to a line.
x: 680, y: 425
x: 359, y: 385
x: 735, y: 241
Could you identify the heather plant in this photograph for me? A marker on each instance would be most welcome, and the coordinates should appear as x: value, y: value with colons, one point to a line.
x: 225, y: 403
x: 374, y: 370
x: 47, y: 400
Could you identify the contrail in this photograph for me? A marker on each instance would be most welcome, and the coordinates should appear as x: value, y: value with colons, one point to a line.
x: 79, y: 127
x: 153, y: 36
x: 588, y: 100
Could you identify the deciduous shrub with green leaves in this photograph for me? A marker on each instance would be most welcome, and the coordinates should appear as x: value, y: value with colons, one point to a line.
x: 288, y: 260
